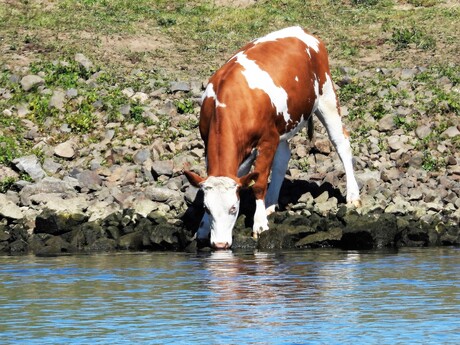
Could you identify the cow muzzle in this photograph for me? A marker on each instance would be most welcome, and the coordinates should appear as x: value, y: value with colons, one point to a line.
x: 220, y: 245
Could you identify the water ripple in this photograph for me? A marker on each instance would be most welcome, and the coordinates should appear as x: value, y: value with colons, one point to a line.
x: 308, y: 297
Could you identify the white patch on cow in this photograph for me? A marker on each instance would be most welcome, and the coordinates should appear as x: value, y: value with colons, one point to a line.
x: 260, y: 218
x: 222, y: 204
x: 209, y: 92
x: 296, y: 78
x: 260, y: 79
x: 293, y: 31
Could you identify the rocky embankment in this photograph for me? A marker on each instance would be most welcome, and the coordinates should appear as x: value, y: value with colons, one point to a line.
x: 121, y: 186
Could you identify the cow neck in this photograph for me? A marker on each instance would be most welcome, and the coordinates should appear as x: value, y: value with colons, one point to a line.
x: 223, y: 153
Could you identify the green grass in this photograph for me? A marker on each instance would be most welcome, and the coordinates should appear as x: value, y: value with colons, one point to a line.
x: 193, y: 39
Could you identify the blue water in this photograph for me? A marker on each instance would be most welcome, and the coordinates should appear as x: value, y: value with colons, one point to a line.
x: 410, y: 296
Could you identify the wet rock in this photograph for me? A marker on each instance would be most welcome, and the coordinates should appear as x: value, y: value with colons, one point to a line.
x: 51, y: 223
x: 31, y: 166
x: 31, y: 81
x: 366, y: 232
x: 132, y: 241
x: 321, y: 239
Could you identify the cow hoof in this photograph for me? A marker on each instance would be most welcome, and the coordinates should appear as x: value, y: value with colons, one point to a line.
x: 271, y: 209
x: 355, y: 203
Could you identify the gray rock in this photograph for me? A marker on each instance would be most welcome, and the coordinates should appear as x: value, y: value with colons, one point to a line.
x: 61, y: 203
x: 423, y: 131
x: 390, y: 175
x: 179, y: 86
x: 57, y: 100
x: 162, y: 194
x: 140, y: 97
x: 162, y: 168
x: 89, y: 179
x: 125, y: 109
x: 51, y: 166
x: 46, y: 185
x: 141, y: 156
x: 386, y: 123
x: 65, y: 150
x: 8, y: 209
x: 6, y: 172
x: 83, y: 61
x: 416, y: 160
x: 31, y: 166
x: 31, y: 81
x: 101, y: 210
x: 144, y: 207
x: 451, y: 132
x: 71, y: 93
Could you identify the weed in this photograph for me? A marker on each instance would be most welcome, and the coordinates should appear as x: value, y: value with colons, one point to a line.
x: 188, y: 124
x: 7, y: 183
x: 303, y: 164
x: 403, y: 37
x: 184, y: 106
x: 431, y: 163
x: 9, y: 150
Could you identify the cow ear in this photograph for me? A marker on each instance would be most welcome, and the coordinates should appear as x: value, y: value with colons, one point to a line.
x: 248, y: 180
x: 194, y: 179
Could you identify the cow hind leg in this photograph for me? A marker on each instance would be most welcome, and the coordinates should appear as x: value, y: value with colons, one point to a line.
x: 204, y: 229
x: 279, y: 167
x: 329, y: 115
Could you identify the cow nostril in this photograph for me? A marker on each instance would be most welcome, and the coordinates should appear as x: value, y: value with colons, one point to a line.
x: 220, y: 245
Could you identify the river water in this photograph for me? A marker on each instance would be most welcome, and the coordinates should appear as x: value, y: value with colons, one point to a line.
x: 409, y: 296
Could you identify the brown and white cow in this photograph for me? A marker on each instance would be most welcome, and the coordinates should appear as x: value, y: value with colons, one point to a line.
x: 252, y: 106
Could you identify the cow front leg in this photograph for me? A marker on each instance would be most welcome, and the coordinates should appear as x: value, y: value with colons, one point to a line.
x: 260, y: 219
x: 263, y: 163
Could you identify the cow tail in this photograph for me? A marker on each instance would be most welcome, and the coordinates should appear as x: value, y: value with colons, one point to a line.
x: 310, y: 128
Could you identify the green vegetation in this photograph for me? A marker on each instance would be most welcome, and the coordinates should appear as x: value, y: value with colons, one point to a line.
x: 143, y: 45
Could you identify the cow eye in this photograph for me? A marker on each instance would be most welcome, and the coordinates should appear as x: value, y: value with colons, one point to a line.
x: 232, y: 210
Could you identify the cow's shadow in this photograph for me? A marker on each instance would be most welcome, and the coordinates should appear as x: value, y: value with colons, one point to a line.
x: 290, y: 193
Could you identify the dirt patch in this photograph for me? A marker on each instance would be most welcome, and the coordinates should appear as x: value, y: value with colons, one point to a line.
x: 235, y: 3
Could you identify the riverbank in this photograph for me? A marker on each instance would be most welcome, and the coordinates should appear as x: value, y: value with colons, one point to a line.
x: 91, y: 157
x: 127, y: 191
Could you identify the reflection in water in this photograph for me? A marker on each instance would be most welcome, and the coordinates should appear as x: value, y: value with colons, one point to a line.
x: 307, y: 297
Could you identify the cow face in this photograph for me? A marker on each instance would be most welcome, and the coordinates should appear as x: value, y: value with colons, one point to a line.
x: 221, y: 204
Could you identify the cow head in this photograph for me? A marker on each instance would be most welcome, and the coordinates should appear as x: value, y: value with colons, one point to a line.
x: 221, y: 203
